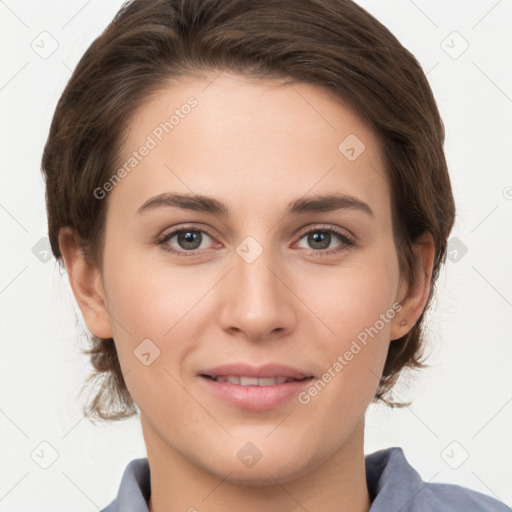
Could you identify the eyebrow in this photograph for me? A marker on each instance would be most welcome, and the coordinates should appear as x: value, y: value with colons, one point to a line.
x: 201, y: 203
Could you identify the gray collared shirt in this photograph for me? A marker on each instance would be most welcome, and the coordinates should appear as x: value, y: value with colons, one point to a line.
x: 392, y: 481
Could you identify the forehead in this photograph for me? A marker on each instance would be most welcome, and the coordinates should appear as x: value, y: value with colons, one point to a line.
x: 249, y: 141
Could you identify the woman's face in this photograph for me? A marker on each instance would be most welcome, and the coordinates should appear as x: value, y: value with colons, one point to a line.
x: 261, y: 280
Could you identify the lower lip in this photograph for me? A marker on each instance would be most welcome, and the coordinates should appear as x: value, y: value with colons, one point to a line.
x: 256, y: 398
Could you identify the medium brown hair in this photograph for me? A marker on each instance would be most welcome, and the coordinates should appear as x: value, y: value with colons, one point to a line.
x: 334, y: 44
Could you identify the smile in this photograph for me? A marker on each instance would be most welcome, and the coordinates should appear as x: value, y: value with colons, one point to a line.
x: 254, y: 393
x: 252, y: 381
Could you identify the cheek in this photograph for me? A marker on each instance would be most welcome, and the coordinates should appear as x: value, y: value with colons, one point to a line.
x: 352, y: 296
x: 169, y: 306
x: 357, y: 303
x: 150, y: 307
x: 147, y: 296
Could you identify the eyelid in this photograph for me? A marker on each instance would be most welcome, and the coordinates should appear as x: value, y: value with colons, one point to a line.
x: 192, y: 226
x: 326, y: 227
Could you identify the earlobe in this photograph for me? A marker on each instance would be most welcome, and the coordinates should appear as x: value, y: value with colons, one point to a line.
x: 85, y: 281
x: 416, y: 296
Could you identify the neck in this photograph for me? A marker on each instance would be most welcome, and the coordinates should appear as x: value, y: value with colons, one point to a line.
x: 337, y: 484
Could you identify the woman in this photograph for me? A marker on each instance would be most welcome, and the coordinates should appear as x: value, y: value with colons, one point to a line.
x: 252, y: 203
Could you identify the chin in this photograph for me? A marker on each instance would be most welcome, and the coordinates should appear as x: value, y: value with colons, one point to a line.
x: 269, y: 475
x: 278, y: 466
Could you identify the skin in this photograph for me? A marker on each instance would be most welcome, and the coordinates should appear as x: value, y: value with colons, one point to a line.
x: 254, y: 145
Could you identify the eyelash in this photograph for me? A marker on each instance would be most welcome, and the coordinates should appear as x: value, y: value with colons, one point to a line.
x: 347, y: 241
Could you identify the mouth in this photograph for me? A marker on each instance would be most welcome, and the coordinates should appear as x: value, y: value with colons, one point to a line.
x: 242, y: 380
x: 255, y: 388
x: 254, y: 393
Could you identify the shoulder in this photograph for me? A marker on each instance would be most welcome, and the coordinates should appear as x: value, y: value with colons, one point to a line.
x: 396, y: 485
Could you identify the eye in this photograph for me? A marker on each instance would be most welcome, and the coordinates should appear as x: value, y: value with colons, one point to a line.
x: 188, y: 241
x: 320, y: 239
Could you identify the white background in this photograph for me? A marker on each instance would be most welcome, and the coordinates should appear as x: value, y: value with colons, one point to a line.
x: 463, y: 401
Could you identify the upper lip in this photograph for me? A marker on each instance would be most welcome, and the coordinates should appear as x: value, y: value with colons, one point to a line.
x: 266, y: 370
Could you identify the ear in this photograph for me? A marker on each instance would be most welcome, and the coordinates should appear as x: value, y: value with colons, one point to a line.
x: 85, y: 281
x: 415, y: 294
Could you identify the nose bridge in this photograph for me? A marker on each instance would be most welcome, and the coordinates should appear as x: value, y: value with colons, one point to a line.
x: 252, y: 272
x: 258, y: 302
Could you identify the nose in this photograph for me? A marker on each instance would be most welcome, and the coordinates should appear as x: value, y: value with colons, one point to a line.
x: 258, y: 298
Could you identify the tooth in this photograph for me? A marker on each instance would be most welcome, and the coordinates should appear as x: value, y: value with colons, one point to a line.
x: 249, y: 381
x: 269, y: 381
x: 253, y: 381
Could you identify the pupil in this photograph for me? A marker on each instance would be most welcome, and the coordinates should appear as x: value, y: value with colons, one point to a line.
x: 187, y: 238
x: 322, y: 238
